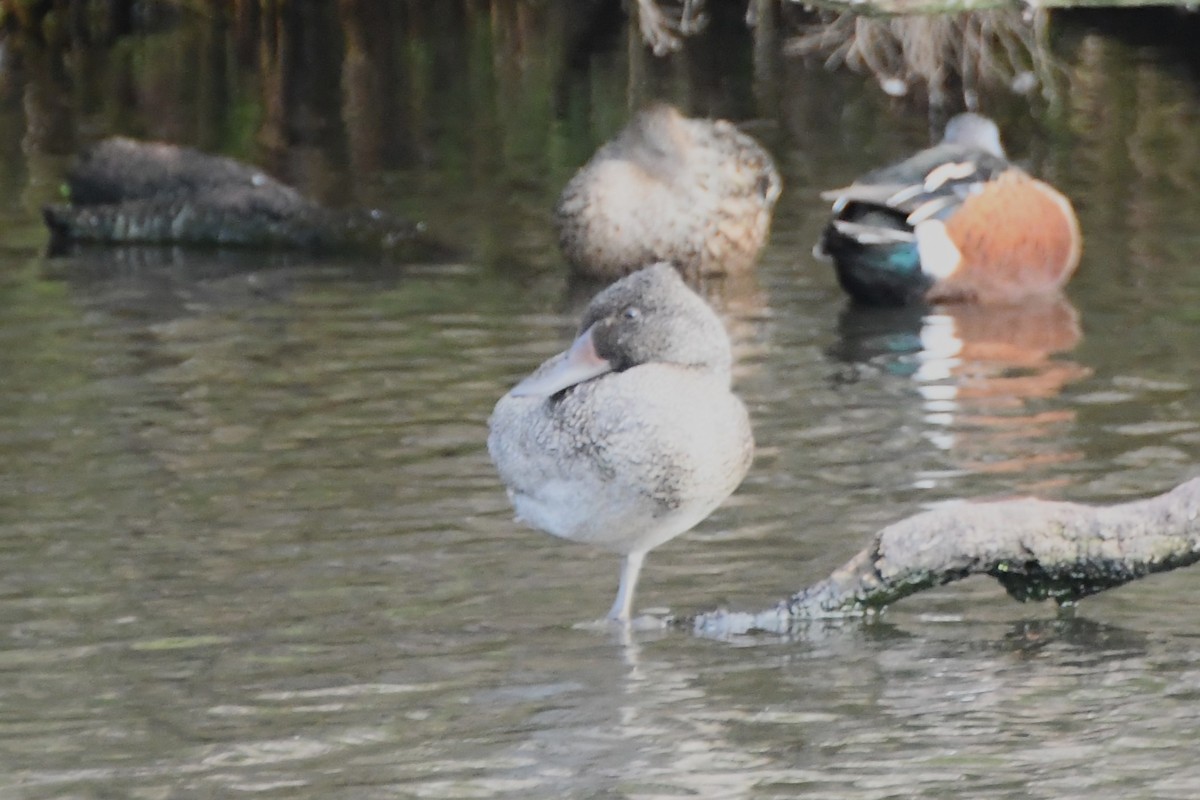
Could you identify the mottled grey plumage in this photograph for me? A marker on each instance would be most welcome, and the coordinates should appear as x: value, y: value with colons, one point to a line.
x: 646, y: 446
x: 696, y: 192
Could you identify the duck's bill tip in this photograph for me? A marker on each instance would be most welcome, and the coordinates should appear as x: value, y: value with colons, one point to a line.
x: 578, y: 364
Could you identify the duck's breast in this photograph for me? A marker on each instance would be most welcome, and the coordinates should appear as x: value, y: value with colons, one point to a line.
x: 626, y: 461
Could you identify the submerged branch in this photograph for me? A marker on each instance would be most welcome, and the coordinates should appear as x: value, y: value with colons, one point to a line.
x: 1036, y: 549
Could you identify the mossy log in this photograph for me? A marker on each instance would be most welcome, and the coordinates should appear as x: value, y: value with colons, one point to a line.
x: 1036, y: 549
x: 124, y: 191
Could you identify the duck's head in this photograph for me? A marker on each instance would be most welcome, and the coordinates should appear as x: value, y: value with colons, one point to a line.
x: 649, y: 316
x: 975, y: 131
x: 656, y: 139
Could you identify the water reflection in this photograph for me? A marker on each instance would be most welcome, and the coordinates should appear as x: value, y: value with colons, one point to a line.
x: 640, y: 725
x: 981, y: 373
x: 145, y: 284
x: 848, y: 714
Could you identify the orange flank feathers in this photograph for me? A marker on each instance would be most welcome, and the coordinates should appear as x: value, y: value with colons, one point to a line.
x: 1017, y: 236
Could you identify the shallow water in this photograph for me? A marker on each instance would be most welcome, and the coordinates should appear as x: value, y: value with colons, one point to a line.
x: 254, y: 545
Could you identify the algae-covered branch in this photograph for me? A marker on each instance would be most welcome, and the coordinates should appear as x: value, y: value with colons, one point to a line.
x: 1036, y: 549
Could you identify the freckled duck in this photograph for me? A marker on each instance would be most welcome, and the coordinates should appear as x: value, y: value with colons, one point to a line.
x: 696, y: 192
x: 632, y: 436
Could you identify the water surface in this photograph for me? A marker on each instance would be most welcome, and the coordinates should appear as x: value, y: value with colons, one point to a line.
x: 253, y: 545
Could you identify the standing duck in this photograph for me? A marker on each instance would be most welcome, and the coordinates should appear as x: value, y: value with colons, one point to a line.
x: 954, y: 223
x: 631, y: 436
x: 696, y: 192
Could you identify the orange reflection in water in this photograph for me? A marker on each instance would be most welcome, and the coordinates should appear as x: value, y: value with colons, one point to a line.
x: 988, y: 380
x: 985, y: 373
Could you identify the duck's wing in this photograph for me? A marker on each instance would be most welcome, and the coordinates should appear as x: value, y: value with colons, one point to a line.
x: 929, y: 184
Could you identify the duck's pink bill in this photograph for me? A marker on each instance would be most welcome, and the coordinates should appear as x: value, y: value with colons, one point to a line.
x: 580, y: 363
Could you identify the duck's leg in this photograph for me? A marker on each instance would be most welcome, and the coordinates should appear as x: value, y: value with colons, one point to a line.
x: 630, y: 568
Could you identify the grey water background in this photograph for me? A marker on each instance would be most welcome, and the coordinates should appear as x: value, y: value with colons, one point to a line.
x: 253, y: 545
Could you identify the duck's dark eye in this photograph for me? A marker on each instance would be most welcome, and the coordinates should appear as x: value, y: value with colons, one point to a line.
x: 633, y: 312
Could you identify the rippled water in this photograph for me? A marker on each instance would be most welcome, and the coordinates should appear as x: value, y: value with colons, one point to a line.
x: 253, y: 544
